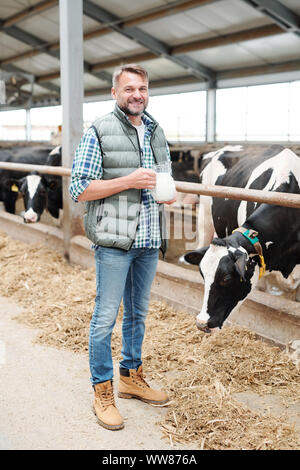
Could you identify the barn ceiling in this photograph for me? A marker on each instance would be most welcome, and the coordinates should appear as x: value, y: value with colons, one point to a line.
x: 196, y: 43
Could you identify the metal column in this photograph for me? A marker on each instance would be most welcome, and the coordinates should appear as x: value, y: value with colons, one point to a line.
x: 28, y: 125
x: 71, y: 76
x: 211, y: 115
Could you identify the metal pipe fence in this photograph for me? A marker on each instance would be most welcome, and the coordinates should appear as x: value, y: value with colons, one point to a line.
x: 43, y: 169
x: 228, y: 192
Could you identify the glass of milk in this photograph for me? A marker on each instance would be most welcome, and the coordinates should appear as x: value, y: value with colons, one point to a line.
x: 165, y: 189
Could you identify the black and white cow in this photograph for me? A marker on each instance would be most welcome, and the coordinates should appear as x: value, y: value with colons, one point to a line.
x: 214, y: 165
x: 231, y: 264
x: 39, y: 192
x: 55, y: 196
x: 185, y: 167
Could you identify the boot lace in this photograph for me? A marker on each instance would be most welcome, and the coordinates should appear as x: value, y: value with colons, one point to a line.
x: 106, y: 397
x: 140, y: 380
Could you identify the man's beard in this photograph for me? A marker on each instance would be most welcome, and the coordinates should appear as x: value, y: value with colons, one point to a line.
x: 126, y: 110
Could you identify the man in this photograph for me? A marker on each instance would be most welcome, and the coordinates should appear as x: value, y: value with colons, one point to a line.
x: 112, y: 171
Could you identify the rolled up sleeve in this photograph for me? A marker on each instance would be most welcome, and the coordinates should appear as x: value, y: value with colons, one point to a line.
x: 87, y: 164
x: 168, y: 151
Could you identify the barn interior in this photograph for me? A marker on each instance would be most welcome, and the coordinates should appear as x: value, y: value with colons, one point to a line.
x: 63, y: 53
x: 186, y: 46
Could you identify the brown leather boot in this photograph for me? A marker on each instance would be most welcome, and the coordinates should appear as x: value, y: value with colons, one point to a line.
x: 105, y: 408
x: 133, y: 385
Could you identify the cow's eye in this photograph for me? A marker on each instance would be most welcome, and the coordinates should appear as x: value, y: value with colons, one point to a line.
x: 225, y: 280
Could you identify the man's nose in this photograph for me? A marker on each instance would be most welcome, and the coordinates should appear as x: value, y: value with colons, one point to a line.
x: 137, y: 94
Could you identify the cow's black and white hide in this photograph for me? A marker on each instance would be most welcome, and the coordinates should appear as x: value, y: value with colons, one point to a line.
x: 230, y: 264
x: 39, y: 192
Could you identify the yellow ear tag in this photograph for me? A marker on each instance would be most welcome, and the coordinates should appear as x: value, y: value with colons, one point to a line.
x: 262, y: 269
x: 14, y: 188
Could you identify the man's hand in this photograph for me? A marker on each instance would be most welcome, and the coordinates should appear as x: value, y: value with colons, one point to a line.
x: 142, y: 178
x: 167, y: 202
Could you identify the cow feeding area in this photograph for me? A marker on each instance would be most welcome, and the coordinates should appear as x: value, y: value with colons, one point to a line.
x: 203, y: 374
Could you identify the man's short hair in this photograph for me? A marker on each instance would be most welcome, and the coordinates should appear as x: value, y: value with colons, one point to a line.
x: 132, y: 68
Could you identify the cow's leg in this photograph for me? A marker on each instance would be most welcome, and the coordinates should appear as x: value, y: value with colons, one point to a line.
x: 205, y: 225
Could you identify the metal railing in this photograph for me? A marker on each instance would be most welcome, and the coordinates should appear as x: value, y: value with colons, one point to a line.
x: 240, y: 194
x: 228, y: 192
x: 43, y: 169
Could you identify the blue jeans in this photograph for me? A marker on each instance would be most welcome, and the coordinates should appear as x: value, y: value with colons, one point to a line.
x: 127, y: 274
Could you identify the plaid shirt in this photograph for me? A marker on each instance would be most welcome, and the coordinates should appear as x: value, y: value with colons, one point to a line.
x: 87, y: 166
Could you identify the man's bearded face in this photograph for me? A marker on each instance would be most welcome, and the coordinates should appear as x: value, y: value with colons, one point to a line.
x: 131, y: 93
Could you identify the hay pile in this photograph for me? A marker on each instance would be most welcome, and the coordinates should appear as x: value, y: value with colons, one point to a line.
x: 202, y: 373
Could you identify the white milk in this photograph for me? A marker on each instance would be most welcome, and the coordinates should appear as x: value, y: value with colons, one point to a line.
x: 165, y: 189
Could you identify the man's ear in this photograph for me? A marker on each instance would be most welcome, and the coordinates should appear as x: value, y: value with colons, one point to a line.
x: 195, y: 257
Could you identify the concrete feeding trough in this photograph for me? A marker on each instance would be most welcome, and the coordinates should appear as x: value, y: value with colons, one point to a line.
x: 273, y: 318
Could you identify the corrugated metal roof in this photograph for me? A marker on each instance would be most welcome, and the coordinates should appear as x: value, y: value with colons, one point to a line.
x: 178, y: 41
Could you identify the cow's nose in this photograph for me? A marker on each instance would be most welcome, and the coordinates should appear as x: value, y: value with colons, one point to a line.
x: 30, y: 218
x: 202, y: 326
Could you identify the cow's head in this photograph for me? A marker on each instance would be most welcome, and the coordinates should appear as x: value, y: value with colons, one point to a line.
x: 227, y: 272
x: 54, y: 157
x: 55, y: 199
x: 34, y: 190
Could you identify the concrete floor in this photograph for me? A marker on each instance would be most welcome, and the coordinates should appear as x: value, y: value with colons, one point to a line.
x: 46, y: 399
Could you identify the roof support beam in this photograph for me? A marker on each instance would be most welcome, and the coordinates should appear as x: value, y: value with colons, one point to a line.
x: 43, y: 47
x: 157, y: 47
x: 280, y: 14
x: 143, y: 57
x: 15, y: 58
x: 34, y: 41
x: 288, y: 66
x: 16, y: 70
x: 166, y: 10
x: 30, y: 40
x: 242, y: 73
x: 27, y: 12
x: 154, y: 13
x: 217, y: 41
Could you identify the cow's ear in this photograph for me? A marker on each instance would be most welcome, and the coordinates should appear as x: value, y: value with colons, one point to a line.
x: 241, y: 264
x: 195, y: 257
x: 12, y: 185
x: 52, y: 184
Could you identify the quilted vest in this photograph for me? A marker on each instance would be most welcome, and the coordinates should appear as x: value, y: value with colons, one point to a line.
x: 113, y: 221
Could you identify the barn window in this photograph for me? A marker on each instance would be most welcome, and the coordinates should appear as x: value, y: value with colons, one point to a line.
x: 259, y: 113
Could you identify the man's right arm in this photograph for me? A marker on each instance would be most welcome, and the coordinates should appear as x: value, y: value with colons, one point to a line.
x: 141, y: 178
x: 86, y: 178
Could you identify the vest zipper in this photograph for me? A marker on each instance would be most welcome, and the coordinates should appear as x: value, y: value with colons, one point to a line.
x: 141, y: 153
